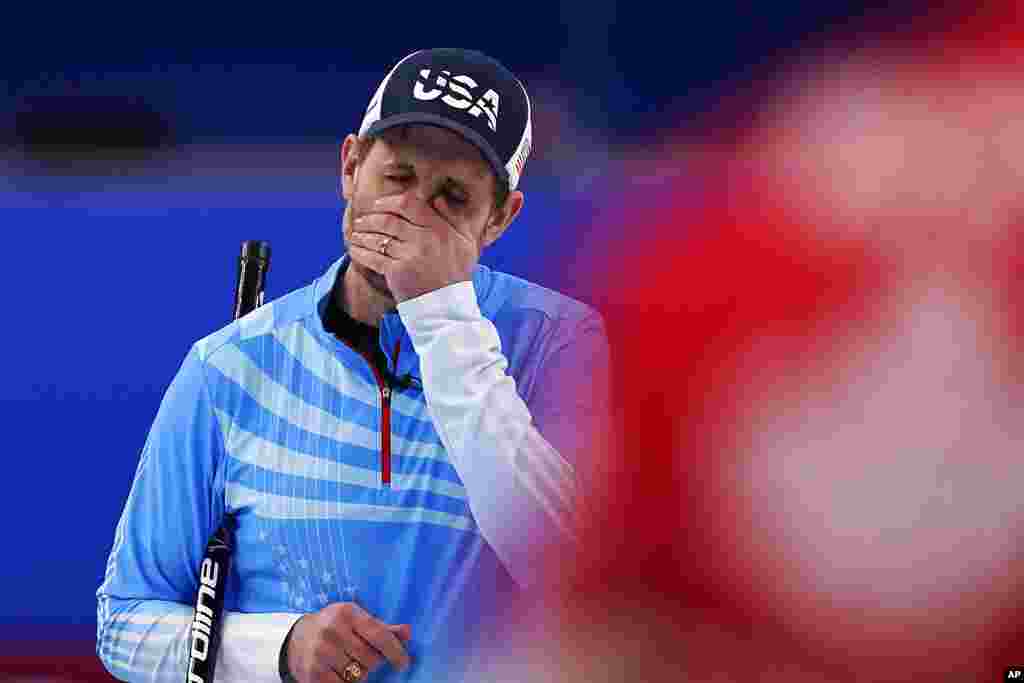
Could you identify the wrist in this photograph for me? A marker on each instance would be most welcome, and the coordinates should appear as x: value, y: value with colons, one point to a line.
x: 425, y: 315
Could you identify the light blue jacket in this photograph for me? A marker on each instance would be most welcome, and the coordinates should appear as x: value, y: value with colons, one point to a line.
x: 276, y: 422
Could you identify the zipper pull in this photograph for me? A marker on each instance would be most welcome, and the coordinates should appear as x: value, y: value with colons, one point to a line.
x: 385, y: 393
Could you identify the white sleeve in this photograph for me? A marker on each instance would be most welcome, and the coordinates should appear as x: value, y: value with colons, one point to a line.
x: 521, y: 490
x: 150, y: 640
x: 250, y: 646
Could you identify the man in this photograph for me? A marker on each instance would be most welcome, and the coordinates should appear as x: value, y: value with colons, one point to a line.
x: 398, y: 445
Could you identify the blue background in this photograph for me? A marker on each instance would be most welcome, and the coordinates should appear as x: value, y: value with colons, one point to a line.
x: 115, y: 262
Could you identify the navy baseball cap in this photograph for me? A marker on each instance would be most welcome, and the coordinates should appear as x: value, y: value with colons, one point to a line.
x: 464, y: 91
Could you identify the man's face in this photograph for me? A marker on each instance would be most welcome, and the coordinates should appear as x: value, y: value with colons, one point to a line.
x: 437, y: 178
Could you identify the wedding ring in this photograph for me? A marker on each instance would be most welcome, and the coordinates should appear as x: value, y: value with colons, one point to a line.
x: 353, y: 672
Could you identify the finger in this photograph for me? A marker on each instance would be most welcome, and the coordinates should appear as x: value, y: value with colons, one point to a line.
x: 395, y: 222
x: 318, y: 658
x: 358, y: 649
x: 374, y: 260
x: 330, y: 676
x: 385, y: 245
x: 419, y: 216
x: 377, y: 634
x: 403, y: 631
x: 341, y: 645
x: 390, y: 224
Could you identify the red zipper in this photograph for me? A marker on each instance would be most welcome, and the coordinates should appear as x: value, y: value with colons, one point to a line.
x: 385, y: 413
x: 385, y: 435
x: 385, y: 423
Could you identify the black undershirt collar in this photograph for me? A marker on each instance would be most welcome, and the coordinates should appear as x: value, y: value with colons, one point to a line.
x: 362, y: 337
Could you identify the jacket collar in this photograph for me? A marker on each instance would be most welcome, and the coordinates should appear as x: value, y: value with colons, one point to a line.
x: 392, y: 330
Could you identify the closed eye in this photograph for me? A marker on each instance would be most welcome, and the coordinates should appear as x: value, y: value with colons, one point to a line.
x: 455, y: 198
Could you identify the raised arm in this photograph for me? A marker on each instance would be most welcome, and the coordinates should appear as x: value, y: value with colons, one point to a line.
x: 521, y: 464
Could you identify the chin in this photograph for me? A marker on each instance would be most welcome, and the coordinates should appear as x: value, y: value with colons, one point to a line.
x: 377, y: 282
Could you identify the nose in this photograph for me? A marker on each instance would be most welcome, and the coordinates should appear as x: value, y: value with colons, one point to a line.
x: 416, y: 203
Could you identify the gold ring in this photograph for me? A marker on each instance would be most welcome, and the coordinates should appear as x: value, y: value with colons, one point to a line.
x: 353, y: 672
x: 384, y: 247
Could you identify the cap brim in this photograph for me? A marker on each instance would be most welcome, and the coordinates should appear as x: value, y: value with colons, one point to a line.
x: 434, y: 120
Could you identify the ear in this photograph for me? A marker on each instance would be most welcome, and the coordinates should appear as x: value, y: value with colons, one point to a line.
x: 348, y: 161
x: 500, y: 219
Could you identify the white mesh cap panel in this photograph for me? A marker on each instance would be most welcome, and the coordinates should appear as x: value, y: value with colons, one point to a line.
x: 516, y: 164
